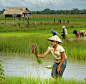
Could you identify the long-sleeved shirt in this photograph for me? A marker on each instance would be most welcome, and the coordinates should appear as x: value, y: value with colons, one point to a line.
x: 54, y: 33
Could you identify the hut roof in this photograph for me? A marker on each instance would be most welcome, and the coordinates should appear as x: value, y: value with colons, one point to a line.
x: 16, y: 11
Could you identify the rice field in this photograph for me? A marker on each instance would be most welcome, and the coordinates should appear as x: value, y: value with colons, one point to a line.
x: 23, y: 45
x: 15, y: 38
x: 75, y: 22
x: 29, y: 80
x: 18, y: 39
x: 44, y: 32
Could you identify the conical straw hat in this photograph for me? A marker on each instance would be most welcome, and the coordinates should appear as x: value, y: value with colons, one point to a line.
x: 55, y: 38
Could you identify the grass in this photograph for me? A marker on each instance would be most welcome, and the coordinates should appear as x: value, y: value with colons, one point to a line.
x: 2, y: 76
x: 39, y: 32
x: 76, y: 21
x: 75, y: 48
x: 23, y: 45
x: 19, y: 39
x: 31, y: 80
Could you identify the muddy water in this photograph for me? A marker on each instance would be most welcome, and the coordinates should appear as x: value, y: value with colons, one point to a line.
x: 26, y: 65
x: 82, y: 38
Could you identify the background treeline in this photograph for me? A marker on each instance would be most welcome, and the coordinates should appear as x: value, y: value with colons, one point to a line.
x: 1, y: 12
x: 48, y: 11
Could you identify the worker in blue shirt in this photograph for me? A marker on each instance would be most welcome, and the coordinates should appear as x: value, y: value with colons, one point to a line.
x: 54, y: 32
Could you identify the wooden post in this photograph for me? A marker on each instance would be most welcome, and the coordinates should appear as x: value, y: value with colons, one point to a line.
x: 54, y: 21
x: 59, y: 21
x: 68, y: 21
x: 48, y: 21
x: 35, y: 22
x: 19, y: 24
x: 41, y: 22
x: 64, y: 21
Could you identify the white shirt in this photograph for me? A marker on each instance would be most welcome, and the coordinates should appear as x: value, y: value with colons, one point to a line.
x: 57, y: 53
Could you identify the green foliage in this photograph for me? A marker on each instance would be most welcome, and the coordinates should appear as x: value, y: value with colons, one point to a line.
x: 31, y: 80
x: 48, y: 11
x: 1, y: 12
x: 35, y: 51
x: 18, y: 39
x: 2, y: 76
x: 39, y: 60
x: 73, y: 48
x: 75, y: 22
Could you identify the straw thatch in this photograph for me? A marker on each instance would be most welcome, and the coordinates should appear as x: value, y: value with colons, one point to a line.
x: 16, y: 11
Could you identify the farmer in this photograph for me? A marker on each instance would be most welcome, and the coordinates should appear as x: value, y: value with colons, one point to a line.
x: 76, y: 33
x: 54, y: 32
x: 82, y: 33
x: 64, y: 35
x: 60, y: 58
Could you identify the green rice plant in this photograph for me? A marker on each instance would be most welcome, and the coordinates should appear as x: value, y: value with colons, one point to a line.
x: 32, y: 80
x: 2, y: 76
x: 22, y: 44
x: 85, y: 80
x: 35, y: 51
x: 75, y: 48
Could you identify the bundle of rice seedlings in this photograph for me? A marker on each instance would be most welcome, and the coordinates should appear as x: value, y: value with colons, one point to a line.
x: 35, y: 51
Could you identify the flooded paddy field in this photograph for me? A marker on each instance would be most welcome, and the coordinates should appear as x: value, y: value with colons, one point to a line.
x: 15, y: 64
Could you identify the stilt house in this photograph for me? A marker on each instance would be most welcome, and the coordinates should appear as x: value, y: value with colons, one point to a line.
x: 17, y: 12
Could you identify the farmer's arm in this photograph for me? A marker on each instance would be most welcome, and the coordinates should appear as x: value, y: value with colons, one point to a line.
x: 61, y: 32
x: 63, y: 59
x: 43, y: 55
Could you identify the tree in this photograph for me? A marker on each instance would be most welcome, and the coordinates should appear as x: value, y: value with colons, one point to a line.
x: 1, y: 12
x: 47, y: 10
x: 52, y: 12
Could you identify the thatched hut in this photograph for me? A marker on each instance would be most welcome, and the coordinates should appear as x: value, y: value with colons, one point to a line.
x: 16, y: 12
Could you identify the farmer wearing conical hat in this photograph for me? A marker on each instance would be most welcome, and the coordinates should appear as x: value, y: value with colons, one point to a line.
x: 60, y: 58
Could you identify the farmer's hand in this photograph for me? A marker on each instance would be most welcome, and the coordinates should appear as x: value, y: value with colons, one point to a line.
x: 38, y: 56
x: 59, y: 69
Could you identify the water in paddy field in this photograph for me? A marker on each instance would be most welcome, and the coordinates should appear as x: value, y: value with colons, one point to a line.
x: 82, y: 38
x: 26, y: 65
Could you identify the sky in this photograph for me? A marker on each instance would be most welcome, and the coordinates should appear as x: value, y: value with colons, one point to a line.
x: 39, y: 5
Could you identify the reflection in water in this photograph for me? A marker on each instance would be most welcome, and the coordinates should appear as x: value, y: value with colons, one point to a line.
x: 26, y: 65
